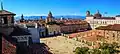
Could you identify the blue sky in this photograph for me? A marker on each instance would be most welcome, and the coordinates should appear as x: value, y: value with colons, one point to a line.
x: 62, y: 7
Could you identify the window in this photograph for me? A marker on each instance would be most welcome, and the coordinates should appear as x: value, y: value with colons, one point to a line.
x: 25, y: 37
x: 18, y: 38
x: 113, y: 35
x: 23, y: 43
x: 50, y: 32
x: 21, y: 38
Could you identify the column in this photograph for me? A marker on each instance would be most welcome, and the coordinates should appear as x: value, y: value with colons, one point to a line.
x: 115, y: 35
x: 27, y: 41
x: 104, y: 34
x: 9, y: 20
x: 91, y: 33
x: 92, y: 43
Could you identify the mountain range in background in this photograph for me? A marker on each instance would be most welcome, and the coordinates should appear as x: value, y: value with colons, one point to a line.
x: 56, y: 17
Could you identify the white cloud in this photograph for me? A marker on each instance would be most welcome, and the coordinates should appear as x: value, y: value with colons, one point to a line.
x: 33, y: 15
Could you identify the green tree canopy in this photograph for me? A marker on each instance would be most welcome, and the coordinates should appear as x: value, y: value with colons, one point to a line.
x: 104, y: 48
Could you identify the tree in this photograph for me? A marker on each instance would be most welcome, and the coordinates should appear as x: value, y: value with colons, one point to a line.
x: 109, y: 48
x: 96, y: 51
x: 104, y: 48
x: 82, y: 50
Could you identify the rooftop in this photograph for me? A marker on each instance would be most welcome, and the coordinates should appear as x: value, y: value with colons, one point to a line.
x: 19, y: 31
x: 8, y: 45
x: 39, y: 49
x: 4, y: 12
x: 72, y: 22
x: 106, y: 18
x: 115, y: 27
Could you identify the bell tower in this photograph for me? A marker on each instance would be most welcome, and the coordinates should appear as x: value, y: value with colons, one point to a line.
x: 49, y: 17
x: 22, y: 18
x: 88, y: 16
x: 6, y: 17
x: 88, y: 13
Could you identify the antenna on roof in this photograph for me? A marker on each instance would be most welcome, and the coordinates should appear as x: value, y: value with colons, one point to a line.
x: 1, y: 4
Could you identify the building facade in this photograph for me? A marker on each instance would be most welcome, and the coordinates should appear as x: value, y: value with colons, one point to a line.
x: 111, y: 33
x: 49, y: 17
x: 97, y: 20
x: 43, y: 31
x: 6, y: 21
x: 53, y: 30
x: 74, y: 26
x: 34, y: 29
x: 6, y: 17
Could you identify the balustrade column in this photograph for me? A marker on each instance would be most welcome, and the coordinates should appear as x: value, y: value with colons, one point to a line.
x: 27, y: 41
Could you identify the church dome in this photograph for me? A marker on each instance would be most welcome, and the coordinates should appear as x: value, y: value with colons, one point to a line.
x: 97, y: 14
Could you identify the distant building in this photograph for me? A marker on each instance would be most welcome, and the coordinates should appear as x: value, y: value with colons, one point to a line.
x: 34, y: 30
x: 111, y: 33
x: 41, y: 18
x: 49, y: 17
x: 22, y: 18
x: 106, y: 34
x: 88, y: 14
x: 41, y: 22
x: 53, y: 29
x: 42, y: 31
x: 70, y: 26
x: 97, y: 20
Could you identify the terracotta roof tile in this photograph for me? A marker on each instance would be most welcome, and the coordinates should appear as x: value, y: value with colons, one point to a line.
x: 39, y: 49
x: 115, y: 27
x: 90, y: 38
x: 8, y: 47
x: 106, y: 18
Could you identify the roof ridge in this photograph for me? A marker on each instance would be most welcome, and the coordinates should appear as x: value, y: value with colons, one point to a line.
x: 6, y: 12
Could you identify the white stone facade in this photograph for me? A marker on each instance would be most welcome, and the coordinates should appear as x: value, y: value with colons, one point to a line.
x: 53, y: 29
x: 102, y: 22
x: 35, y: 34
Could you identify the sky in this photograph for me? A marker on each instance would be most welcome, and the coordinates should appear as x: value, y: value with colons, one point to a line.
x: 62, y: 7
